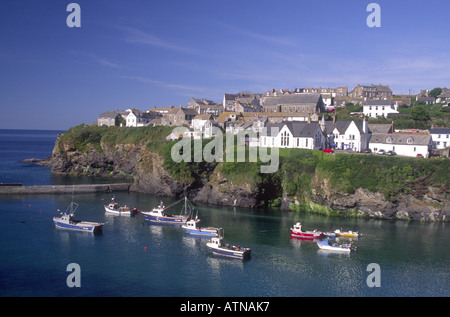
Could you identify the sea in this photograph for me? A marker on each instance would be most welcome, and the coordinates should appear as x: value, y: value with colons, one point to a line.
x: 136, y: 258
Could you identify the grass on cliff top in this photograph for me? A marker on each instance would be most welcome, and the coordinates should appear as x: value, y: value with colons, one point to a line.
x: 345, y: 172
x: 82, y: 137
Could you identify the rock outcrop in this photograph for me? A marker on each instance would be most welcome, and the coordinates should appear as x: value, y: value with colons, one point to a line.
x: 147, y: 174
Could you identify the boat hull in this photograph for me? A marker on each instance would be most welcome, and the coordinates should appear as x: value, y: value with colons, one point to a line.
x: 120, y: 212
x: 236, y: 254
x: 306, y: 234
x: 79, y: 226
x: 325, y: 245
x: 202, y: 232
x: 334, y: 249
x: 164, y: 219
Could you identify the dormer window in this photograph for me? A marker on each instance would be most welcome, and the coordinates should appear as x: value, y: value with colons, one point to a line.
x: 410, y: 140
x: 389, y: 139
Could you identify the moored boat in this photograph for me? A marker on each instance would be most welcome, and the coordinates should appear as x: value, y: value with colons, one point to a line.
x: 159, y: 214
x: 67, y: 221
x: 218, y: 247
x: 296, y: 232
x: 326, y: 245
x: 191, y: 227
x: 115, y: 208
x: 347, y: 234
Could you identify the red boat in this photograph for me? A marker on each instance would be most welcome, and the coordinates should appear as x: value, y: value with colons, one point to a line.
x: 297, y: 232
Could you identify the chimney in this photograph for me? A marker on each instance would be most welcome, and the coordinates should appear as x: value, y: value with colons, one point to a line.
x: 334, y: 118
x: 392, y: 126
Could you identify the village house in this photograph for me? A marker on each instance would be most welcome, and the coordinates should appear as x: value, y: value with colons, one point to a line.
x: 111, y: 118
x: 296, y: 134
x: 137, y: 118
x: 440, y: 137
x: 199, y: 121
x: 379, y: 108
x: 426, y: 100
x: 444, y: 97
x: 204, y: 106
x: 230, y: 101
x: 350, y: 135
x: 178, y: 116
x: 362, y: 93
x: 402, y: 143
x: 307, y: 103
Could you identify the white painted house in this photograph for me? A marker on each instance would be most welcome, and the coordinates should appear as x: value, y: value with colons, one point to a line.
x: 440, y: 137
x: 294, y: 134
x: 402, y: 143
x: 379, y: 108
x: 354, y: 135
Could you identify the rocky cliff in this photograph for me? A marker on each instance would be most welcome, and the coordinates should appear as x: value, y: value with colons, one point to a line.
x: 146, y: 170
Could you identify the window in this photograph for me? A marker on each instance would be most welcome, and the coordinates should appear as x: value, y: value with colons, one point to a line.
x: 284, y: 139
x: 410, y: 140
x: 389, y: 139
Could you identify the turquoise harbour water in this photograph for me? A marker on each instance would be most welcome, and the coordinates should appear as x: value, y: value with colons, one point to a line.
x: 135, y: 258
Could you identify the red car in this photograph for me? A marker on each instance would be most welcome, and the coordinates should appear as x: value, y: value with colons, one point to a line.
x: 328, y: 150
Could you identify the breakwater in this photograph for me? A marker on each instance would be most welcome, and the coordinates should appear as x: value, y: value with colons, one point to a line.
x: 64, y: 189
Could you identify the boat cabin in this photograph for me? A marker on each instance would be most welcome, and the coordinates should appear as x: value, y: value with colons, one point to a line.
x: 298, y: 226
x: 217, y: 241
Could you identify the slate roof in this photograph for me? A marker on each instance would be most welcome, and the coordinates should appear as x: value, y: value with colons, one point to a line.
x: 299, y: 129
x: 378, y: 102
x: 440, y: 130
x: 293, y: 99
x: 401, y: 138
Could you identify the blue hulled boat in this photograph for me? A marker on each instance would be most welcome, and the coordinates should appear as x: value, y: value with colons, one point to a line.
x: 191, y: 227
x: 159, y: 214
x: 218, y: 247
x: 67, y: 221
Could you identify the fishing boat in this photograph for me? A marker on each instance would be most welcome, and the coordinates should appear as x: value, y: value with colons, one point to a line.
x: 115, y: 208
x: 67, y: 221
x: 191, y: 227
x: 297, y: 232
x: 347, y: 234
x: 218, y: 247
x: 326, y: 245
x: 159, y: 214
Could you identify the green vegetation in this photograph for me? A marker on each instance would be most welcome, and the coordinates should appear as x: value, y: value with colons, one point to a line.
x: 417, y: 116
x: 298, y: 170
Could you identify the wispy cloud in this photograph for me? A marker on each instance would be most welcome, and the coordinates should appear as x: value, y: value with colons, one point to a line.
x: 133, y: 35
x: 97, y: 59
x: 165, y: 84
x: 279, y: 40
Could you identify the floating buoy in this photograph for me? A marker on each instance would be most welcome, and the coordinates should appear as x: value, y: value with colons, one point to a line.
x: 145, y: 248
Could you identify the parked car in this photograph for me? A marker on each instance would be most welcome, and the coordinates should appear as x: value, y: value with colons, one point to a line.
x: 419, y: 155
x: 381, y: 152
x: 328, y: 150
x: 391, y: 153
x: 367, y: 150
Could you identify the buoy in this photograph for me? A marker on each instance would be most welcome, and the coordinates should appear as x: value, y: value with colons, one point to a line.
x: 145, y: 248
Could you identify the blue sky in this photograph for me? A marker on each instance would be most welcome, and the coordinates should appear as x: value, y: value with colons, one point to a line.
x: 159, y: 53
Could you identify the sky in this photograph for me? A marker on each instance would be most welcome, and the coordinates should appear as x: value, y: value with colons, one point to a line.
x: 146, y: 53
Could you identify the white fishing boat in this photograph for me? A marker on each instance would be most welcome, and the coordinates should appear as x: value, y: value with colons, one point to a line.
x: 67, y: 221
x: 115, y: 208
x: 218, y: 247
x: 191, y: 227
x: 326, y: 245
x: 159, y: 214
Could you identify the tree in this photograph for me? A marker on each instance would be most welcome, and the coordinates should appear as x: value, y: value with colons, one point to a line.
x: 420, y: 113
x: 435, y: 92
